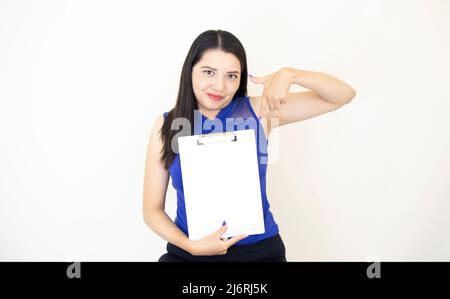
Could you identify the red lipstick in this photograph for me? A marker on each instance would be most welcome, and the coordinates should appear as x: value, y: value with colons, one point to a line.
x: 215, y: 96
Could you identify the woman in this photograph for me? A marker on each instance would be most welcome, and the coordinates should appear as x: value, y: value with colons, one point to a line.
x: 214, y: 84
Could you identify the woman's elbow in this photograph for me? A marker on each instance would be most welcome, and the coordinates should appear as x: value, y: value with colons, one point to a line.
x: 149, y: 212
x: 351, y: 94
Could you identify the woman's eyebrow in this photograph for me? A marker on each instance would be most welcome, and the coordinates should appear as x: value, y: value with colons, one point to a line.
x: 208, y: 67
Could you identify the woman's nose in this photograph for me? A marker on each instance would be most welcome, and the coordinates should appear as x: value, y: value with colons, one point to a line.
x: 219, y: 84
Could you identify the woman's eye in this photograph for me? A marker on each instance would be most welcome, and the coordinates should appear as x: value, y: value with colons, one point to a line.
x: 210, y: 73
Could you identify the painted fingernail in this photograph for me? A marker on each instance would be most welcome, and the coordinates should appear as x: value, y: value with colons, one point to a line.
x: 251, y: 75
x: 224, y: 223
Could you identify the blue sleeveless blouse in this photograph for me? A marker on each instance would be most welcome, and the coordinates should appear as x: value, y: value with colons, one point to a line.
x: 236, y: 115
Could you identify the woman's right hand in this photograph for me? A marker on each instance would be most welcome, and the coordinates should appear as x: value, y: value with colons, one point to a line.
x: 213, y: 244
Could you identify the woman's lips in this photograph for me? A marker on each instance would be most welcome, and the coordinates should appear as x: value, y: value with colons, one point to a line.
x: 214, y: 97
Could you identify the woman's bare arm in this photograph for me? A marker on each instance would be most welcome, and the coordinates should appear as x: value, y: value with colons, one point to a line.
x: 156, y: 179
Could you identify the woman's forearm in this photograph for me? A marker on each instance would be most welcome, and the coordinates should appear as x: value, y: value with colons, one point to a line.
x: 328, y: 87
x: 162, y: 225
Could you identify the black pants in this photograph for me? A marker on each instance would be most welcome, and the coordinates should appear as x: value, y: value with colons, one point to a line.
x: 268, y: 250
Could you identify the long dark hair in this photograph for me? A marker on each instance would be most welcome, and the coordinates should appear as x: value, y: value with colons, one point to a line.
x: 186, y: 101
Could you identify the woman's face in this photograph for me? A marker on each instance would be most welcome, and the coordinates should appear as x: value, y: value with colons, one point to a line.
x: 216, y: 73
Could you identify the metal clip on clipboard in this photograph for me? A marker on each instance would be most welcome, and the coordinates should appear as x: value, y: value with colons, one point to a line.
x: 216, y: 138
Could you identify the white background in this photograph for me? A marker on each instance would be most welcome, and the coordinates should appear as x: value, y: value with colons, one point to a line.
x: 81, y: 83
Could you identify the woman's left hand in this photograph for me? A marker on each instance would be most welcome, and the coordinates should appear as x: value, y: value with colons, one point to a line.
x: 276, y: 88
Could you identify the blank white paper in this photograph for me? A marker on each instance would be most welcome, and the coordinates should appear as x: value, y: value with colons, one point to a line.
x: 221, y: 183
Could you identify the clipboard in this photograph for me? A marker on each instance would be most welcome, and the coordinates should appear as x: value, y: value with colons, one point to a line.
x: 221, y: 183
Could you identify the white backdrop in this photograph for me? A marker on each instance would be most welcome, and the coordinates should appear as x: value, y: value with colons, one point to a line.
x: 81, y: 83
